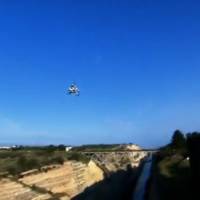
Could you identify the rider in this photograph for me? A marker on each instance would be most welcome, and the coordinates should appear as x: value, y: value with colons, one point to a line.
x: 73, y: 89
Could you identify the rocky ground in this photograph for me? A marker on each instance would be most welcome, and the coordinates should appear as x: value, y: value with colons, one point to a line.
x: 65, y: 181
x: 61, y: 182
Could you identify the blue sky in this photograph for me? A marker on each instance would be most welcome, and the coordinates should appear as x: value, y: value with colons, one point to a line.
x: 137, y: 64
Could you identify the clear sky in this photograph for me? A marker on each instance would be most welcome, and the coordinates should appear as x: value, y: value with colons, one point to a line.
x: 137, y: 64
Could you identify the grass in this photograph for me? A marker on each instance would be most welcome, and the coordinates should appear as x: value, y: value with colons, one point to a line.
x: 98, y: 148
x: 15, y: 162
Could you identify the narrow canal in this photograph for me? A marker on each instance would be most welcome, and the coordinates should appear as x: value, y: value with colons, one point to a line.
x: 139, y: 191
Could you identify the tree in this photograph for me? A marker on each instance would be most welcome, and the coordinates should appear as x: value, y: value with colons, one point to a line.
x: 178, y: 140
x: 51, y: 148
x: 61, y: 147
x: 21, y: 163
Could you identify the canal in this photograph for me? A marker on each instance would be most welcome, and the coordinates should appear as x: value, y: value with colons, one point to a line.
x: 139, y: 192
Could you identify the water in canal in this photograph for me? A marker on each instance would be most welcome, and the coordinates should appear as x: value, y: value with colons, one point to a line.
x: 139, y: 191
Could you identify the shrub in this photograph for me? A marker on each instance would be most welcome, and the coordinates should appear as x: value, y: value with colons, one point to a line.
x: 32, y: 163
x: 178, y: 140
x: 58, y: 160
x: 78, y: 157
x: 24, y: 163
x: 21, y: 162
x: 13, y: 170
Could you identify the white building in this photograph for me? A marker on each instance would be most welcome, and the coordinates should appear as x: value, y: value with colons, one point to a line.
x: 5, y: 147
x: 68, y: 148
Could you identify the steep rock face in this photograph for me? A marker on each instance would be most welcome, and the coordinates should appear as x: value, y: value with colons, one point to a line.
x: 132, y: 147
x: 86, y: 175
x: 11, y: 190
x: 115, y: 161
x: 64, y: 182
x: 67, y: 180
x: 93, y: 173
x: 55, y: 180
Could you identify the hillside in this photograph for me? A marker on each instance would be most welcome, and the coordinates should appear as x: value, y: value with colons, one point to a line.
x: 62, y: 181
x: 66, y: 175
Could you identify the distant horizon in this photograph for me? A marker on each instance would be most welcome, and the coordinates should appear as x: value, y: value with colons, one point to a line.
x: 73, y: 145
x: 44, y: 145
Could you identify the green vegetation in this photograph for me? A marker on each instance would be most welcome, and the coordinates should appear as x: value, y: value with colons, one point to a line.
x: 24, y: 158
x: 178, y: 140
x: 16, y: 162
x: 78, y: 157
x: 13, y: 162
x: 98, y: 147
x: 171, y: 173
x: 172, y: 178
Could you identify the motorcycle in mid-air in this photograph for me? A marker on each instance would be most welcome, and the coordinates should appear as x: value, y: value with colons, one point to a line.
x: 73, y: 90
